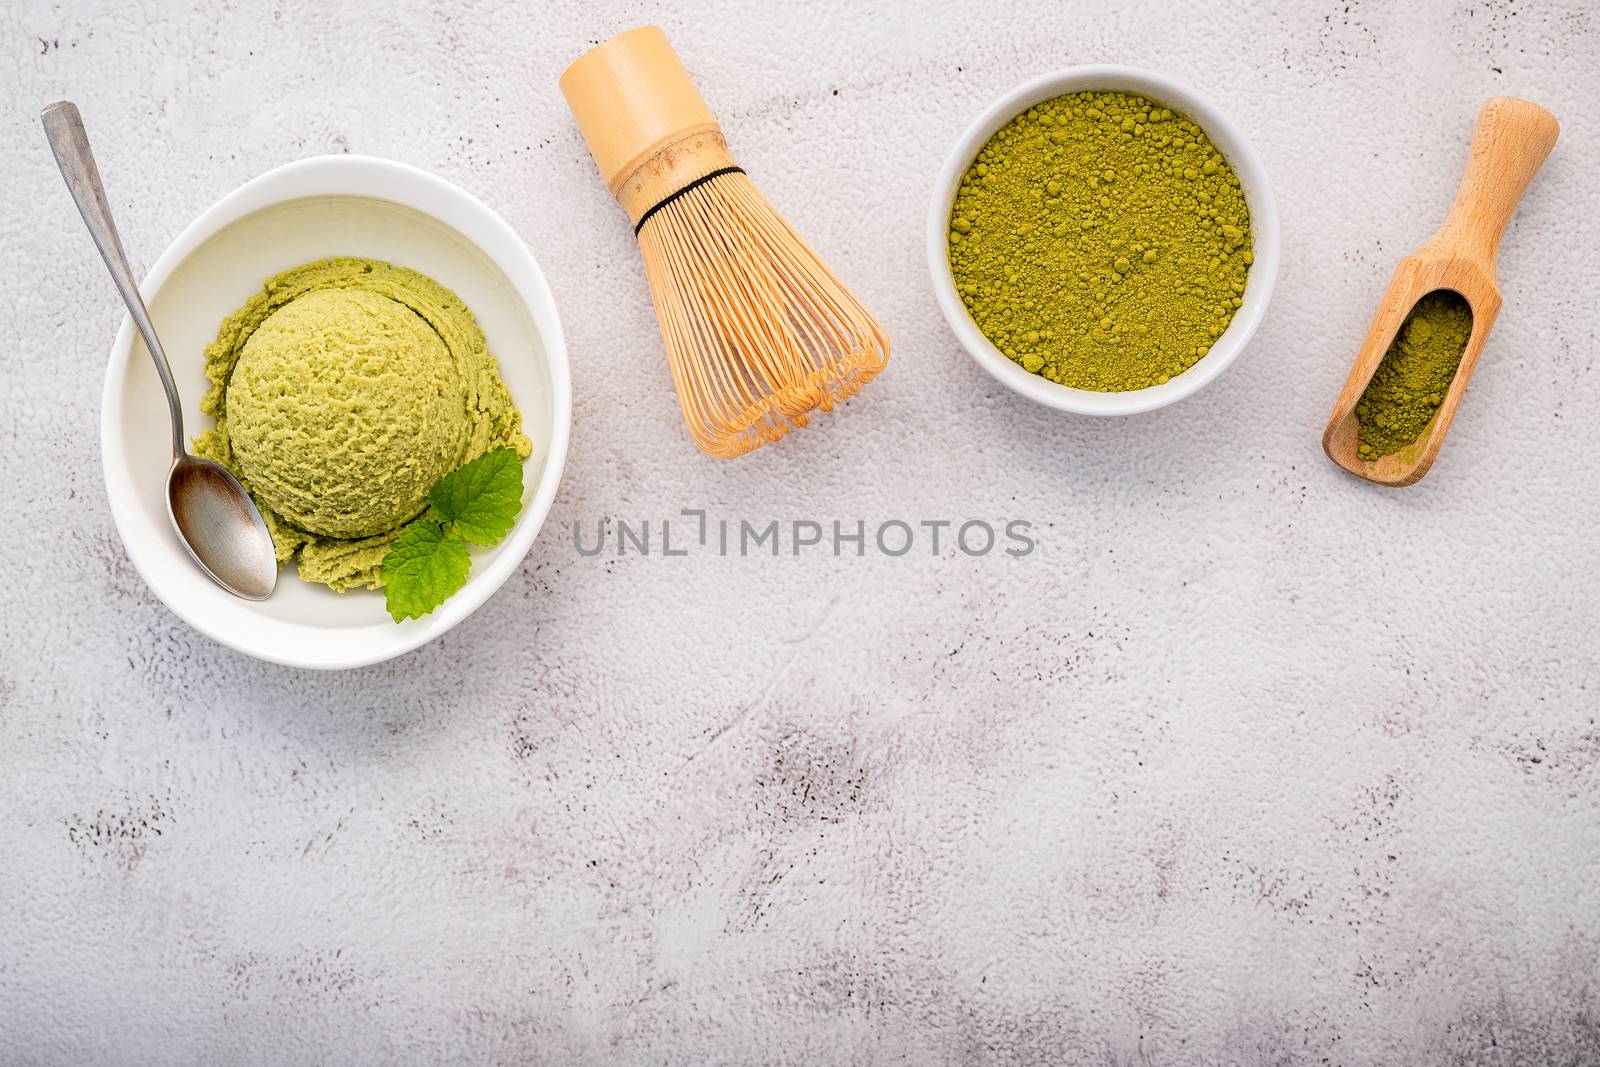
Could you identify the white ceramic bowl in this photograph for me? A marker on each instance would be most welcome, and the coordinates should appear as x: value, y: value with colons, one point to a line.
x: 1263, y: 227
x: 326, y: 206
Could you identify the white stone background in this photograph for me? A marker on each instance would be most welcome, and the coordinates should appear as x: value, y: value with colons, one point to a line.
x: 1250, y: 763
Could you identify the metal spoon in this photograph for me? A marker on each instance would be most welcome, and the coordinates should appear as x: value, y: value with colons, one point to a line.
x: 214, y: 517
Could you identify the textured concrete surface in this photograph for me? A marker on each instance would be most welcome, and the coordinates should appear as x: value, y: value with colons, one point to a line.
x: 1249, y: 763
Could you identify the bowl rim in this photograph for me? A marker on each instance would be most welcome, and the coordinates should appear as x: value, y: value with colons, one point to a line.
x: 370, y: 178
x: 1263, y: 222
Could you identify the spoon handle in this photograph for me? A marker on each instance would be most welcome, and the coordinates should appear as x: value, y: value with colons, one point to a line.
x: 1510, y: 143
x: 64, y: 128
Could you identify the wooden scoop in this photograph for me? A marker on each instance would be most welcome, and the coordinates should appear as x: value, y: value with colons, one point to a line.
x: 1511, y: 141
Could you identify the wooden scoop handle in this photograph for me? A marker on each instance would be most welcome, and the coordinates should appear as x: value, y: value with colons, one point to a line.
x: 1511, y: 141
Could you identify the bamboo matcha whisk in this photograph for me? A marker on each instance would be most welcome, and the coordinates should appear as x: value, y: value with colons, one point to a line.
x: 758, y: 330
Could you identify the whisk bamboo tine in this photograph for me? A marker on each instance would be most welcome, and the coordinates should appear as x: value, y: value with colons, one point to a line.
x: 759, y: 332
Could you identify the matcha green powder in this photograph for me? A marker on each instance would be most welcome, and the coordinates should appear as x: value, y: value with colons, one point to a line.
x: 1409, y: 385
x: 1100, y: 240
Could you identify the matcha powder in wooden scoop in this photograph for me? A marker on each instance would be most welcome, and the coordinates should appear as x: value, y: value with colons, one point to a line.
x: 1100, y: 240
x: 1409, y: 385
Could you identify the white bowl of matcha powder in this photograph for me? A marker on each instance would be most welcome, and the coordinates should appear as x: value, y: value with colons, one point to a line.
x: 1102, y: 240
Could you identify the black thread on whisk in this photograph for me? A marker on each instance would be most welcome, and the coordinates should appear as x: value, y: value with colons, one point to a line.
x: 691, y: 187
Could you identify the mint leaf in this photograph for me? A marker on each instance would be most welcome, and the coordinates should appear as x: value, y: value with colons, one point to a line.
x: 429, y: 561
x: 482, y: 498
x: 424, y: 566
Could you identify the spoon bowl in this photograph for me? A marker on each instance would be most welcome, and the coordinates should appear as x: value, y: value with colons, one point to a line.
x: 221, y: 527
x: 1422, y: 272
